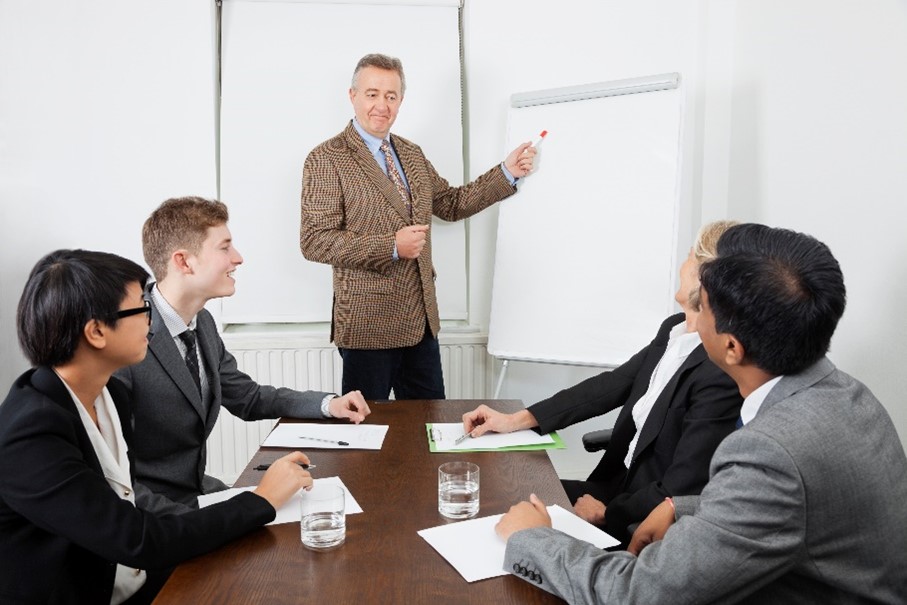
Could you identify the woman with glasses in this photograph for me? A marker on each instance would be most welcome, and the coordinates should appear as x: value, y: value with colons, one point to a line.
x: 71, y: 531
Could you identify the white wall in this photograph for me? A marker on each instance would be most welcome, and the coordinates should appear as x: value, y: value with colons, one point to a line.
x: 796, y: 119
x: 106, y: 109
x: 818, y: 143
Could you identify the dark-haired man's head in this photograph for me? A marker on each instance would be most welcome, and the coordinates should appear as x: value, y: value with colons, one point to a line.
x: 65, y: 291
x: 777, y: 292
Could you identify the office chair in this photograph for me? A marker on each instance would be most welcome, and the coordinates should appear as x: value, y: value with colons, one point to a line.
x: 595, y: 441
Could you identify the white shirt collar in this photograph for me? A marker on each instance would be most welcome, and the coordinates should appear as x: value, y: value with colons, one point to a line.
x: 684, y: 342
x: 754, y: 401
x: 371, y: 141
x: 173, y: 321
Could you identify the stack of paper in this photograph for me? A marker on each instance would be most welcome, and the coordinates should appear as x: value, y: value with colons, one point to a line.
x: 477, y: 553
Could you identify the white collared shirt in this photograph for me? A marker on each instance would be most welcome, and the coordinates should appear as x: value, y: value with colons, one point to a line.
x: 680, y: 344
x: 754, y: 400
x: 176, y: 326
x: 110, y: 447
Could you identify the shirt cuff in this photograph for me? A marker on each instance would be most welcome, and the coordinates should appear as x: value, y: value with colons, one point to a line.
x: 509, y: 176
x: 396, y: 256
x: 326, y: 404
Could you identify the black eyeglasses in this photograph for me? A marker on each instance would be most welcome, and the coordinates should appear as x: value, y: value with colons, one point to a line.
x: 144, y: 309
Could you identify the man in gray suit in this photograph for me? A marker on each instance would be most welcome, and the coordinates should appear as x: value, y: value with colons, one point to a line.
x: 188, y: 373
x: 805, y: 503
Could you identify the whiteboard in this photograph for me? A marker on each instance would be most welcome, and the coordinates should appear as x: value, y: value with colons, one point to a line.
x: 586, y: 251
x: 286, y: 71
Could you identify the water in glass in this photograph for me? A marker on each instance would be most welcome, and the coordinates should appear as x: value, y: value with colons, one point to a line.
x: 323, y: 530
x: 458, y: 499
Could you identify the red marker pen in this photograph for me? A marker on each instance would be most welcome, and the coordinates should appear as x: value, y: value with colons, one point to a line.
x: 540, y: 138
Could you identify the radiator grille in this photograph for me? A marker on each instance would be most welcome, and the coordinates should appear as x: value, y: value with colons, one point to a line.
x: 467, y: 375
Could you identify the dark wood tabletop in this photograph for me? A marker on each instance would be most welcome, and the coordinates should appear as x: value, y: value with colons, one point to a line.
x: 383, y: 559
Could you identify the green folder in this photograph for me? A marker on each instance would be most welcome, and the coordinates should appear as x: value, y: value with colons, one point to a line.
x: 558, y: 444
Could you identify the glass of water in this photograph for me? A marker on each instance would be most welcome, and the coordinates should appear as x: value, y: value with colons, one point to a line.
x: 458, y: 490
x: 323, y: 520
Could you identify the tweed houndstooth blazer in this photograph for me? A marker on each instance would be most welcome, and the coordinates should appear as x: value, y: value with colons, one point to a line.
x: 350, y: 213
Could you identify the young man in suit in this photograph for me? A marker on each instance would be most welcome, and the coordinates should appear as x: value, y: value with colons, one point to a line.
x: 72, y: 533
x: 805, y: 503
x: 367, y: 203
x: 188, y: 373
x: 676, y: 407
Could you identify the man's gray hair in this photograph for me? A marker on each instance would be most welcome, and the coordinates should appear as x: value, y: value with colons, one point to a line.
x: 381, y: 62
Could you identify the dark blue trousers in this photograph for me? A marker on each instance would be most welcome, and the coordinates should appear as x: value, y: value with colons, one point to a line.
x: 412, y: 372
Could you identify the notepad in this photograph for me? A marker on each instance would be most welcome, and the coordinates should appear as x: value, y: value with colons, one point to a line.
x: 442, y: 437
x: 477, y: 552
x: 290, y: 511
x: 357, y: 436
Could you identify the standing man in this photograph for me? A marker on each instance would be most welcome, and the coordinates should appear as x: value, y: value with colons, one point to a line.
x: 367, y: 202
x: 805, y: 503
x: 179, y: 387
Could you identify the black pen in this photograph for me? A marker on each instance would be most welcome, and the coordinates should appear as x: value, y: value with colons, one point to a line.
x: 324, y: 440
x: 264, y: 467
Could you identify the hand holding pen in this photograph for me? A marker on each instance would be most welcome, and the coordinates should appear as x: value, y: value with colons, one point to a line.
x: 284, y: 477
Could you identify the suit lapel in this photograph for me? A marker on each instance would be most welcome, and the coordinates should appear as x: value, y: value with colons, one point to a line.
x: 161, y: 345
x: 624, y: 426
x: 205, y: 331
x: 655, y: 420
x: 46, y: 381
x: 362, y: 156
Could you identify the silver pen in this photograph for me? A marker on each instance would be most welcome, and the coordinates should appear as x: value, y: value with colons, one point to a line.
x: 462, y: 438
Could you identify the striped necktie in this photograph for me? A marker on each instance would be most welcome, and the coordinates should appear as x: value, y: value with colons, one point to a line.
x: 395, y: 177
x: 188, y: 338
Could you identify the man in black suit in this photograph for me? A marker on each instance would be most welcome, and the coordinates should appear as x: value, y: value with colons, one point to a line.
x: 677, y: 406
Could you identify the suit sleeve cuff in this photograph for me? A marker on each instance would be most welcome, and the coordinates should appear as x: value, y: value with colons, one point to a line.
x: 326, y: 405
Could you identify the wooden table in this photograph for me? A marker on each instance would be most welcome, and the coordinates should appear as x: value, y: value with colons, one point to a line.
x: 383, y: 559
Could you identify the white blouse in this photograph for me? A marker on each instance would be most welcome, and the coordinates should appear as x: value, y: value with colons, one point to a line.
x: 110, y: 447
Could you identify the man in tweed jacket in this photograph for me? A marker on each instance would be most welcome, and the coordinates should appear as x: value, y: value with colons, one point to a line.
x: 367, y: 203
x: 805, y: 502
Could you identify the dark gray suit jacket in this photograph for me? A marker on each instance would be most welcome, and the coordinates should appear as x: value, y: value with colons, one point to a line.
x: 171, y: 423
x: 805, y: 504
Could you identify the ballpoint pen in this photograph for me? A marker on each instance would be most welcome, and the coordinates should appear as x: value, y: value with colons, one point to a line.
x: 325, y: 440
x: 264, y: 467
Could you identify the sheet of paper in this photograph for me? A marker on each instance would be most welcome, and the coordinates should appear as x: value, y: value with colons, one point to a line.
x: 445, y: 435
x: 306, y: 436
x: 289, y: 512
x: 477, y: 553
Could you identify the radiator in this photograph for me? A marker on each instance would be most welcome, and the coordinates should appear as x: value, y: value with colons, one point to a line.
x: 464, y: 358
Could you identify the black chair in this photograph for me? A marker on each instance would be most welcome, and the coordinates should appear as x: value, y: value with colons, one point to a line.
x: 595, y: 441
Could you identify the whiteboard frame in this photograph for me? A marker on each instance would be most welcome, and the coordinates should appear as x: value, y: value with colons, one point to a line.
x: 660, y: 82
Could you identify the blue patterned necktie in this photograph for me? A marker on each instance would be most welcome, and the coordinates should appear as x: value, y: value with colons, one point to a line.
x: 395, y: 177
